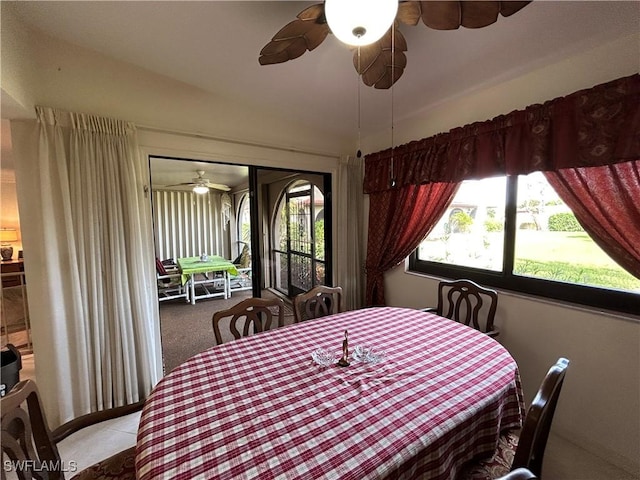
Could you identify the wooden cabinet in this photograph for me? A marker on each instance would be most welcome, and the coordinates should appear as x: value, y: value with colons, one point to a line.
x: 10, y: 273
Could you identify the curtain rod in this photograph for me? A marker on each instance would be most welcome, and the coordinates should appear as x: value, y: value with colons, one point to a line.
x: 234, y: 141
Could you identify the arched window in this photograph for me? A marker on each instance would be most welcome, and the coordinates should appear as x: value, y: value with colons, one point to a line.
x: 299, y: 240
x: 243, y: 222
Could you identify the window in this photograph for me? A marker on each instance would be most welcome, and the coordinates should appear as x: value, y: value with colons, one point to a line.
x: 244, y: 220
x: 516, y: 233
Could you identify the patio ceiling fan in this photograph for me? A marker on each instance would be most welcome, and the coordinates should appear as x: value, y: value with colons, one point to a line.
x: 382, y: 62
x: 201, y: 184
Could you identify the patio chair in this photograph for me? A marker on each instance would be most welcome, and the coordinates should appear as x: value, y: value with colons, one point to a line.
x: 243, y: 280
x: 169, y: 281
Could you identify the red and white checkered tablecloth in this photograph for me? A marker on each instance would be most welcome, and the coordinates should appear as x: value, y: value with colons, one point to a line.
x: 259, y: 407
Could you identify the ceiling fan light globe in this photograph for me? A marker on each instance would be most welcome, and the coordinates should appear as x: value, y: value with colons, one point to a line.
x: 200, y: 189
x: 360, y: 22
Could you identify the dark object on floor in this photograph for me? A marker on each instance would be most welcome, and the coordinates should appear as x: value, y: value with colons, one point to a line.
x: 11, y: 366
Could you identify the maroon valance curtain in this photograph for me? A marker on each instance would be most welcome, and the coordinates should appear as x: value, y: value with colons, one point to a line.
x: 593, y: 127
x: 590, y: 128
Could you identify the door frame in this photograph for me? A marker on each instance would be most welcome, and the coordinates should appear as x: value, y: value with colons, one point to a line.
x: 258, y: 239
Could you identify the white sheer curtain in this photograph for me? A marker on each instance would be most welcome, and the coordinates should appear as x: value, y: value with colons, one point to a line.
x: 350, y: 228
x: 89, y: 261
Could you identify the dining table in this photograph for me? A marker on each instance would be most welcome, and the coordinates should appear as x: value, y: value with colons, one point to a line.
x: 433, y: 395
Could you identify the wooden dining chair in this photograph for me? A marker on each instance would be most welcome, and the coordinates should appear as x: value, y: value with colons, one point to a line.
x: 527, y: 449
x: 467, y: 302
x: 252, y: 315
x: 31, y: 445
x: 317, y: 302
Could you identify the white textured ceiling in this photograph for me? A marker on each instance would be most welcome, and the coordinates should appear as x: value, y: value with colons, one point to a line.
x: 214, y: 45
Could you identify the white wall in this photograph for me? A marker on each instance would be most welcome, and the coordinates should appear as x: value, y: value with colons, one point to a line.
x: 600, y: 403
x: 41, y: 70
x: 18, y: 71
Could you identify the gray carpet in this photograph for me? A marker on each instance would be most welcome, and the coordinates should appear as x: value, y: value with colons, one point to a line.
x: 186, y: 329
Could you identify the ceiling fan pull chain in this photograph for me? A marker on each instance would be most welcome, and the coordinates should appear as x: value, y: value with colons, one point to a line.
x: 359, y: 152
x: 392, y: 180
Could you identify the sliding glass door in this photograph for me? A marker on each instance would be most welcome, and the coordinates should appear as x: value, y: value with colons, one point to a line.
x: 300, y: 246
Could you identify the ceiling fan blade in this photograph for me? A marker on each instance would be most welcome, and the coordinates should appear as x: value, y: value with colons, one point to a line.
x: 409, y: 13
x: 314, y: 12
x: 305, y: 33
x: 450, y: 15
x: 186, y: 184
x: 392, y: 73
x: 441, y: 15
x: 478, y: 14
x: 509, y: 8
x: 316, y: 35
x: 378, y: 65
x: 381, y: 67
x: 218, y: 186
x: 283, y: 50
x: 297, y: 28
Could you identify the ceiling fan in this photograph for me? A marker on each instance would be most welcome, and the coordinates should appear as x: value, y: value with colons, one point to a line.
x: 201, y: 184
x: 383, y: 62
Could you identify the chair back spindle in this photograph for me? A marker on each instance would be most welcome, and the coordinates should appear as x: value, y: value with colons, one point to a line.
x: 253, y: 315
x: 318, y: 302
x: 467, y: 302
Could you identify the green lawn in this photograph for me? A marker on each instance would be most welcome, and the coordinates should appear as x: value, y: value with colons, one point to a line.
x: 560, y: 246
x: 570, y: 257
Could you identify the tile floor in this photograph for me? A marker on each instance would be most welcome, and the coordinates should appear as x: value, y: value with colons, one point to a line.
x: 563, y: 460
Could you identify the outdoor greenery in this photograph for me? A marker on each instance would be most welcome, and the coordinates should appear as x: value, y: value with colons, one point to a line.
x: 580, y: 274
x: 301, y: 240
x: 319, y: 226
x: 564, y: 222
x: 460, y: 221
x: 492, y: 225
x: 549, y: 244
x: 297, y: 242
x: 569, y: 257
x: 246, y: 233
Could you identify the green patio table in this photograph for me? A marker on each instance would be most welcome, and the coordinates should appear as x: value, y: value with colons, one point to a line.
x: 190, y: 266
